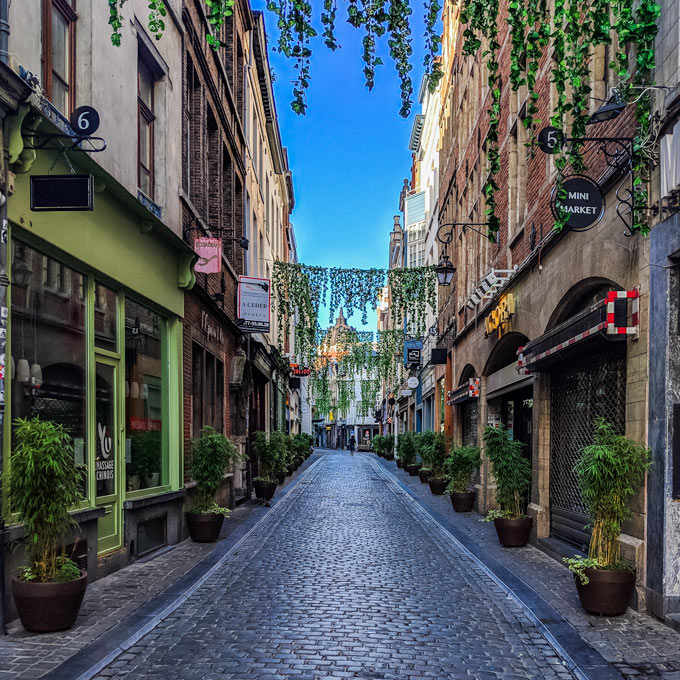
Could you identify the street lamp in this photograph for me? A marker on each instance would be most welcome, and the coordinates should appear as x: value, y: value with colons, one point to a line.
x: 608, y: 111
x: 445, y: 270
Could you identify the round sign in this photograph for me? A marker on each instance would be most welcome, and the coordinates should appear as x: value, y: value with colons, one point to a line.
x: 582, y: 198
x: 413, y: 382
x: 85, y: 121
x: 550, y: 139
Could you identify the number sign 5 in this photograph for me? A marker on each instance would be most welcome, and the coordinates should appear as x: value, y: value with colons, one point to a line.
x: 84, y: 121
x: 550, y: 139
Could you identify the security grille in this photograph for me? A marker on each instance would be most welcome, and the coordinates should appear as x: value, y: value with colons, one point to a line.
x: 470, y: 423
x: 581, y: 392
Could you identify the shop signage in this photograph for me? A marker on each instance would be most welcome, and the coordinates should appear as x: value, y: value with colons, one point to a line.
x: 499, y: 319
x: 300, y: 371
x: 104, y: 465
x: 209, y: 251
x: 253, y: 304
x: 583, y: 199
x: 406, y: 393
x: 61, y: 192
x: 212, y: 332
x: 412, y: 351
x: 145, y: 424
x: 413, y: 382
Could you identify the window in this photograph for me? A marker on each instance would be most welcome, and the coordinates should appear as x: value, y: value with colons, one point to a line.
x: 145, y: 101
x: 58, y: 57
x: 145, y: 455
x: 207, y: 391
x: 48, y: 361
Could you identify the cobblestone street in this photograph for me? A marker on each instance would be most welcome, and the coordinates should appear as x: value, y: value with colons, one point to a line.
x: 345, y: 581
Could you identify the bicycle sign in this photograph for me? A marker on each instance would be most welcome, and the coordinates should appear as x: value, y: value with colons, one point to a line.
x: 550, y: 140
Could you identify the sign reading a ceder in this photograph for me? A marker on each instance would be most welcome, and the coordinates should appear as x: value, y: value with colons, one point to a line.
x: 582, y: 198
x: 253, y: 304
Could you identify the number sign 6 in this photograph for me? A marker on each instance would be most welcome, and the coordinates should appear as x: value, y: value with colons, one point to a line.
x: 550, y: 139
x: 84, y: 121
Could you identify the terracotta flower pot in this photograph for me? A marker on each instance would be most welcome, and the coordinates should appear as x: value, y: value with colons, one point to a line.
x: 462, y: 501
x: 204, y: 527
x: 513, y: 533
x: 413, y: 468
x: 264, y: 490
x: 424, y: 475
x: 607, y: 592
x: 437, y: 486
x: 46, y: 607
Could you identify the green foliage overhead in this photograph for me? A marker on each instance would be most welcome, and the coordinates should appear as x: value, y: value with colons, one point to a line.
x: 511, y: 470
x: 460, y: 465
x: 610, y: 472
x: 212, y: 455
x: 44, y: 484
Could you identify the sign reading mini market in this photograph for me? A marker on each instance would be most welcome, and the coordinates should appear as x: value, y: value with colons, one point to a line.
x: 253, y: 304
x: 582, y: 198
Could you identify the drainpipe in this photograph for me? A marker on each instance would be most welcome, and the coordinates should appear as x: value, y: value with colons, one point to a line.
x: 4, y: 283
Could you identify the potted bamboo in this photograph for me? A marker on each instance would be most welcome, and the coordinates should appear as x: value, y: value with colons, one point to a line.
x: 43, y: 485
x: 610, y: 472
x: 424, y: 446
x: 436, y: 454
x: 512, y: 472
x: 212, y: 454
x: 406, y: 450
x: 379, y: 445
x: 459, y: 466
x: 270, y: 450
x: 388, y: 446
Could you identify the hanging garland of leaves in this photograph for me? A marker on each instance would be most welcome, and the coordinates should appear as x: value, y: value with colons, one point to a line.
x: 321, y: 393
x: 413, y: 290
x: 369, y: 397
x: 346, y: 392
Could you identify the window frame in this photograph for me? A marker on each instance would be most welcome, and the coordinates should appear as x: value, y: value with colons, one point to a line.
x: 68, y: 13
x: 147, y: 113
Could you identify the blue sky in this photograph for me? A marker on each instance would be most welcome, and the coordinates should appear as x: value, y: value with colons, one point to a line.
x: 349, y: 154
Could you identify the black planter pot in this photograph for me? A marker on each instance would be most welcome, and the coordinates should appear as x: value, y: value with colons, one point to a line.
x: 607, y: 592
x: 46, y: 607
x: 413, y: 468
x: 389, y: 455
x: 264, y: 490
x: 424, y: 475
x: 204, y: 527
x: 463, y: 501
x: 281, y: 477
x: 400, y: 463
x: 437, y: 486
x: 513, y: 533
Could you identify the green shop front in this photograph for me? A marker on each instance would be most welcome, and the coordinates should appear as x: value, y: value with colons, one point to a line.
x: 94, y: 343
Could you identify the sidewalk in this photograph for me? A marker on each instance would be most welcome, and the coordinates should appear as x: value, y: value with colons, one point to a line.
x: 637, y: 645
x: 120, y: 601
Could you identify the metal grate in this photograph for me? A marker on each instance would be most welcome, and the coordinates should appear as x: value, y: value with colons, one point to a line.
x: 581, y: 391
x: 470, y: 423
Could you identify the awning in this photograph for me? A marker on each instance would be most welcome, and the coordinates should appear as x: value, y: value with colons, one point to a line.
x: 508, y: 379
x: 464, y: 393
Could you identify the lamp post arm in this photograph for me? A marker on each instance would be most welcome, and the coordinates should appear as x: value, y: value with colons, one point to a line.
x: 446, y: 237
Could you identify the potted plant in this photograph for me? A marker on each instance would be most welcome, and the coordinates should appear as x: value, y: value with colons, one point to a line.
x: 459, y: 466
x: 300, y: 448
x: 436, y: 455
x: 423, y: 443
x: 379, y: 445
x: 212, y: 454
x: 287, y: 464
x: 406, y: 450
x: 270, y: 450
x: 43, y: 485
x: 388, y: 446
x: 512, y: 472
x: 609, y: 471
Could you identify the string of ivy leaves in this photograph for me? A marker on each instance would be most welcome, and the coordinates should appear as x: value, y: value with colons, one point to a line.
x: 576, y: 29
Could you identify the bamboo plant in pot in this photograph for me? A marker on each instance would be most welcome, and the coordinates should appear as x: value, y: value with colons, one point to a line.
x: 610, y: 472
x: 512, y: 472
x: 424, y: 447
x: 212, y: 455
x: 270, y: 450
x: 406, y: 450
x: 459, y: 466
x: 388, y: 446
x: 43, y: 485
x: 379, y: 445
x: 436, y: 454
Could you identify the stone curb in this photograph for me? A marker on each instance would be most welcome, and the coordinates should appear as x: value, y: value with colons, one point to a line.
x: 94, y: 657
x: 582, y: 660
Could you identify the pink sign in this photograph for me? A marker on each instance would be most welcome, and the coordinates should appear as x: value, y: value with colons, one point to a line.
x: 209, y: 251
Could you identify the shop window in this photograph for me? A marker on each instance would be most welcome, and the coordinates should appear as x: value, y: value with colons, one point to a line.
x: 48, y: 346
x: 207, y: 391
x: 145, y: 123
x: 145, y: 453
x: 58, y: 53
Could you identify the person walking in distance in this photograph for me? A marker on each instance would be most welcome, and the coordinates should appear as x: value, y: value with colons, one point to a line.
x: 352, y: 444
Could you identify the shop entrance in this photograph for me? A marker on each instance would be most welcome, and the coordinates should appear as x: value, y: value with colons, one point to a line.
x: 516, y: 412
x: 582, y: 390
x: 107, y: 455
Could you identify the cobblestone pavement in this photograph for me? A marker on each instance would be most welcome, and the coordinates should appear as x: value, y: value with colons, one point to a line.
x: 637, y: 644
x: 344, y: 579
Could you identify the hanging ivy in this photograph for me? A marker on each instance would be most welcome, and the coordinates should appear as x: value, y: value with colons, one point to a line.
x: 412, y: 290
x: 321, y: 394
x: 369, y: 397
x: 346, y: 391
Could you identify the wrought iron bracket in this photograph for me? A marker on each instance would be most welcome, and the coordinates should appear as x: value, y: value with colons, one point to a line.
x: 64, y: 143
x: 446, y: 237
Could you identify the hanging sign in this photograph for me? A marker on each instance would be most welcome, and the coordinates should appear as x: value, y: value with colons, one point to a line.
x: 253, y: 304
x: 62, y: 192
x: 550, y: 139
x: 85, y: 121
x: 583, y: 199
x: 413, y: 382
x: 300, y: 371
x: 412, y: 351
x: 209, y: 251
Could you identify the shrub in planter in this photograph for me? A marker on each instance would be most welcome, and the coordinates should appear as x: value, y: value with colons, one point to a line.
x: 379, y: 445
x: 434, y: 449
x: 388, y: 446
x: 212, y: 454
x: 43, y: 485
x: 459, y: 466
x: 512, y: 472
x: 300, y: 449
x: 609, y: 471
x: 406, y: 449
x: 270, y: 450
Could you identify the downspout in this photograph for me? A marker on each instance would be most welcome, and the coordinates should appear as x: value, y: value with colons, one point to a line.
x: 4, y: 283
